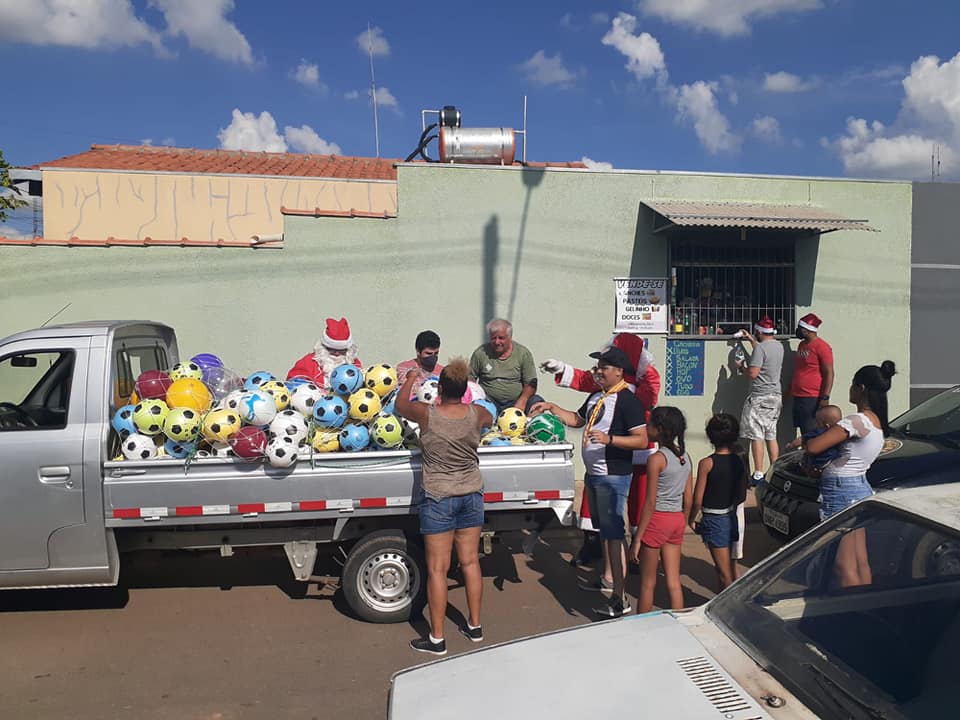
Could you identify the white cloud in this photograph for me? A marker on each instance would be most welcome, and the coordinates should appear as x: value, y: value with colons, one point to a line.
x: 307, y: 74
x: 599, y: 18
x: 697, y: 103
x: 546, y: 71
x: 767, y: 128
x: 169, y: 141
x: 373, y: 41
x: 205, y: 27
x: 784, y: 82
x: 247, y: 131
x: 929, y: 115
x: 305, y: 139
x: 566, y: 20
x: 14, y: 233
x: 385, y: 98
x: 724, y: 17
x: 643, y: 53
x: 351, y: 95
x: 147, y: 141
x: 596, y: 164
x: 87, y: 24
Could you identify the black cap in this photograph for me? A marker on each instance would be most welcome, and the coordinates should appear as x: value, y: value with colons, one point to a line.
x: 616, y: 357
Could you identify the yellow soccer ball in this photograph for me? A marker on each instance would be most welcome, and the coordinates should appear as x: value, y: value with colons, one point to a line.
x: 278, y: 391
x: 512, y: 422
x: 364, y: 405
x: 220, y: 425
x: 326, y: 440
x: 382, y: 379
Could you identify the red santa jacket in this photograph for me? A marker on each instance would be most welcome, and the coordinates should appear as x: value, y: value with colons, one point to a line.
x: 308, y: 367
x: 647, y: 386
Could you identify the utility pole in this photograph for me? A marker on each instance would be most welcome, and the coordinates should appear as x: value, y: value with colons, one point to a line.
x: 373, y: 92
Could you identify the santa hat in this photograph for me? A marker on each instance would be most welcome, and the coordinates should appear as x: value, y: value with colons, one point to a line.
x: 766, y: 326
x: 810, y: 322
x: 337, y: 335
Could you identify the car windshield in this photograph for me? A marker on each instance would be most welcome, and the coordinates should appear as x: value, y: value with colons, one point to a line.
x: 938, y: 416
x: 862, y: 620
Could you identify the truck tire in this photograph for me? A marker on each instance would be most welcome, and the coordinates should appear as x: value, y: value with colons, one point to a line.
x: 384, y: 578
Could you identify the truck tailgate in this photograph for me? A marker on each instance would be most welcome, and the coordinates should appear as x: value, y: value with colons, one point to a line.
x: 213, y: 490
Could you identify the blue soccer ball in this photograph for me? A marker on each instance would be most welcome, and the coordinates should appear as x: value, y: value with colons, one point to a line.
x: 330, y: 411
x: 255, y: 380
x: 293, y: 383
x: 122, y: 421
x: 389, y: 404
x: 489, y: 407
x: 354, y: 437
x: 345, y: 379
x: 179, y: 450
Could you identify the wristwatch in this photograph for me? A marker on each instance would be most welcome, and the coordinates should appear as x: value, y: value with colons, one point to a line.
x: 824, y: 397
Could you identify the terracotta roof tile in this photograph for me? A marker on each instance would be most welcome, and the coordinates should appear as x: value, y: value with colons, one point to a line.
x: 145, y: 242
x: 188, y: 160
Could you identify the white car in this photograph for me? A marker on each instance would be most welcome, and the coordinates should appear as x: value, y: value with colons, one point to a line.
x: 794, y: 638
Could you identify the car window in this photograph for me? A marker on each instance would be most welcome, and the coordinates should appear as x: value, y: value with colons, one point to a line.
x: 35, y: 389
x: 940, y: 415
x: 130, y: 363
x: 867, y: 614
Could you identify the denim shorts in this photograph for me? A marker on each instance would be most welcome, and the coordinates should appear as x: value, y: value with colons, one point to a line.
x: 458, y: 512
x: 607, y: 498
x: 837, y: 493
x: 719, y: 530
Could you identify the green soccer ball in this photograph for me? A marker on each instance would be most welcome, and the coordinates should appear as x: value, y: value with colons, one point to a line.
x: 387, y: 431
x: 546, y: 428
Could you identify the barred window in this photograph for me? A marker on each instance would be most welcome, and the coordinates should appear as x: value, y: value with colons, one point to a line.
x: 723, y: 281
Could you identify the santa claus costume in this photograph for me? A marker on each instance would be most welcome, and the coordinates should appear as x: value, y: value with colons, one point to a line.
x: 646, y: 386
x: 316, y: 366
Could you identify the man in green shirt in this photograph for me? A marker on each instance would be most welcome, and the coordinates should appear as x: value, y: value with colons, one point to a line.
x: 505, y: 369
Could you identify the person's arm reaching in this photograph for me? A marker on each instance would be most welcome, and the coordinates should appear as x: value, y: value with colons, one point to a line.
x: 567, y: 417
x: 413, y: 410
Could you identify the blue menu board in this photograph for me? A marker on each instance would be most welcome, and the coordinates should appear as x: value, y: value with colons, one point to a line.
x: 684, y: 367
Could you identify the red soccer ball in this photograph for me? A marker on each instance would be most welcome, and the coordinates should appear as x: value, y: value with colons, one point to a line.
x: 153, y: 385
x: 250, y: 443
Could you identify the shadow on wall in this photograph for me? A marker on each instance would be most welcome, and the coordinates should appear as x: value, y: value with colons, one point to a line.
x: 491, y: 256
x: 531, y: 179
x: 733, y: 387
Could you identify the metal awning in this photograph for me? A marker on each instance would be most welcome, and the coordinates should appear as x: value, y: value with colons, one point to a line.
x: 684, y: 213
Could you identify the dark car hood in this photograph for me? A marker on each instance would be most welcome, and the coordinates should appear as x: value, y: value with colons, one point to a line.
x: 902, y: 459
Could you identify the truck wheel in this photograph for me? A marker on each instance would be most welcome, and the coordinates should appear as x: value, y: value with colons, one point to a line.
x: 384, y: 579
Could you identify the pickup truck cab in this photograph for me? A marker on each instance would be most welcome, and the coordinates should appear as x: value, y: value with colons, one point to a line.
x: 68, y: 510
x: 787, y: 641
x: 923, y: 449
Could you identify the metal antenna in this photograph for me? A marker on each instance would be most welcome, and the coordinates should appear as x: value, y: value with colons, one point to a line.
x: 373, y: 92
x: 55, y: 314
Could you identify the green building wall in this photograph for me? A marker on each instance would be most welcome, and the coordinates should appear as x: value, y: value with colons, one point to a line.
x: 538, y: 246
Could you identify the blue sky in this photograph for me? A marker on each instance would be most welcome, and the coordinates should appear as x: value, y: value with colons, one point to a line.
x: 802, y: 87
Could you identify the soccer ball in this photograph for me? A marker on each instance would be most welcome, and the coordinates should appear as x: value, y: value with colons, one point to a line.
x: 545, y: 428
x: 364, y: 405
x: 257, y: 408
x: 187, y: 369
x: 182, y: 425
x: 205, y: 361
x: 139, y: 447
x: 249, y: 443
x: 304, y: 397
x: 345, y: 379
x: 122, y: 421
x: 382, y: 379
x: 387, y: 432
x: 148, y: 416
x: 411, y: 433
x: 191, y: 393
x: 429, y: 391
x: 326, y: 440
x: 295, y: 382
x: 289, y: 423
x: 220, y: 425
x: 255, y: 380
x: 330, y: 411
x: 278, y: 391
x: 494, y: 438
x: 512, y: 421
x: 232, y: 401
x: 388, y: 405
x: 152, y: 385
x: 179, y: 450
x: 221, y: 450
x: 489, y: 407
x: 354, y: 437
x: 282, y: 452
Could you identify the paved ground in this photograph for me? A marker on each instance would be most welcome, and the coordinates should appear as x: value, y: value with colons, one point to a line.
x: 197, y: 636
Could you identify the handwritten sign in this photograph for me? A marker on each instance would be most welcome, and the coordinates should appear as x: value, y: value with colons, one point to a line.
x: 641, y: 305
x: 685, y: 367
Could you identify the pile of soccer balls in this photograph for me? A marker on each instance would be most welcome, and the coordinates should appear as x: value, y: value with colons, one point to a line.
x: 201, y: 409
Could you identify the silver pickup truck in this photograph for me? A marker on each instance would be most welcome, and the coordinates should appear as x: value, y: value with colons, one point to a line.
x: 68, y: 512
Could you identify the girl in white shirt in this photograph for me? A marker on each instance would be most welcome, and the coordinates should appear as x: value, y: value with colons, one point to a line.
x: 844, y: 481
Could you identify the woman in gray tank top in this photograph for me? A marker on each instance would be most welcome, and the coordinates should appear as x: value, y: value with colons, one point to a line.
x: 451, y: 510
x: 663, y: 519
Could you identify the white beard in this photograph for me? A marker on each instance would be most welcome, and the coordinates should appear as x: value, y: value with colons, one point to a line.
x: 328, y: 362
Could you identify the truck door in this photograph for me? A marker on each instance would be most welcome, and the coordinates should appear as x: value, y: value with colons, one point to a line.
x: 42, y: 412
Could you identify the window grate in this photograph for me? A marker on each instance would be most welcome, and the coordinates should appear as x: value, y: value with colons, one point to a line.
x: 724, y: 282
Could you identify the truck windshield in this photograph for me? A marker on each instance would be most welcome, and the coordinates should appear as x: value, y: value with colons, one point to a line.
x: 939, y: 416
x: 863, y: 620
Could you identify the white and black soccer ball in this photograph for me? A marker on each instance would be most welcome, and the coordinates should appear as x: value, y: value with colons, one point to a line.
x: 304, y: 397
x: 282, y: 452
x: 289, y: 423
x: 139, y: 447
x: 221, y: 450
x: 429, y: 391
x: 232, y: 401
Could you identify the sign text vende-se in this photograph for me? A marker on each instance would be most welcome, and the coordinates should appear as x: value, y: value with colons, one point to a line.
x: 641, y: 304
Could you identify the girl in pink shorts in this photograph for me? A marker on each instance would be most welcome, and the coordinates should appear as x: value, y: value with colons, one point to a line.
x: 663, y: 519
